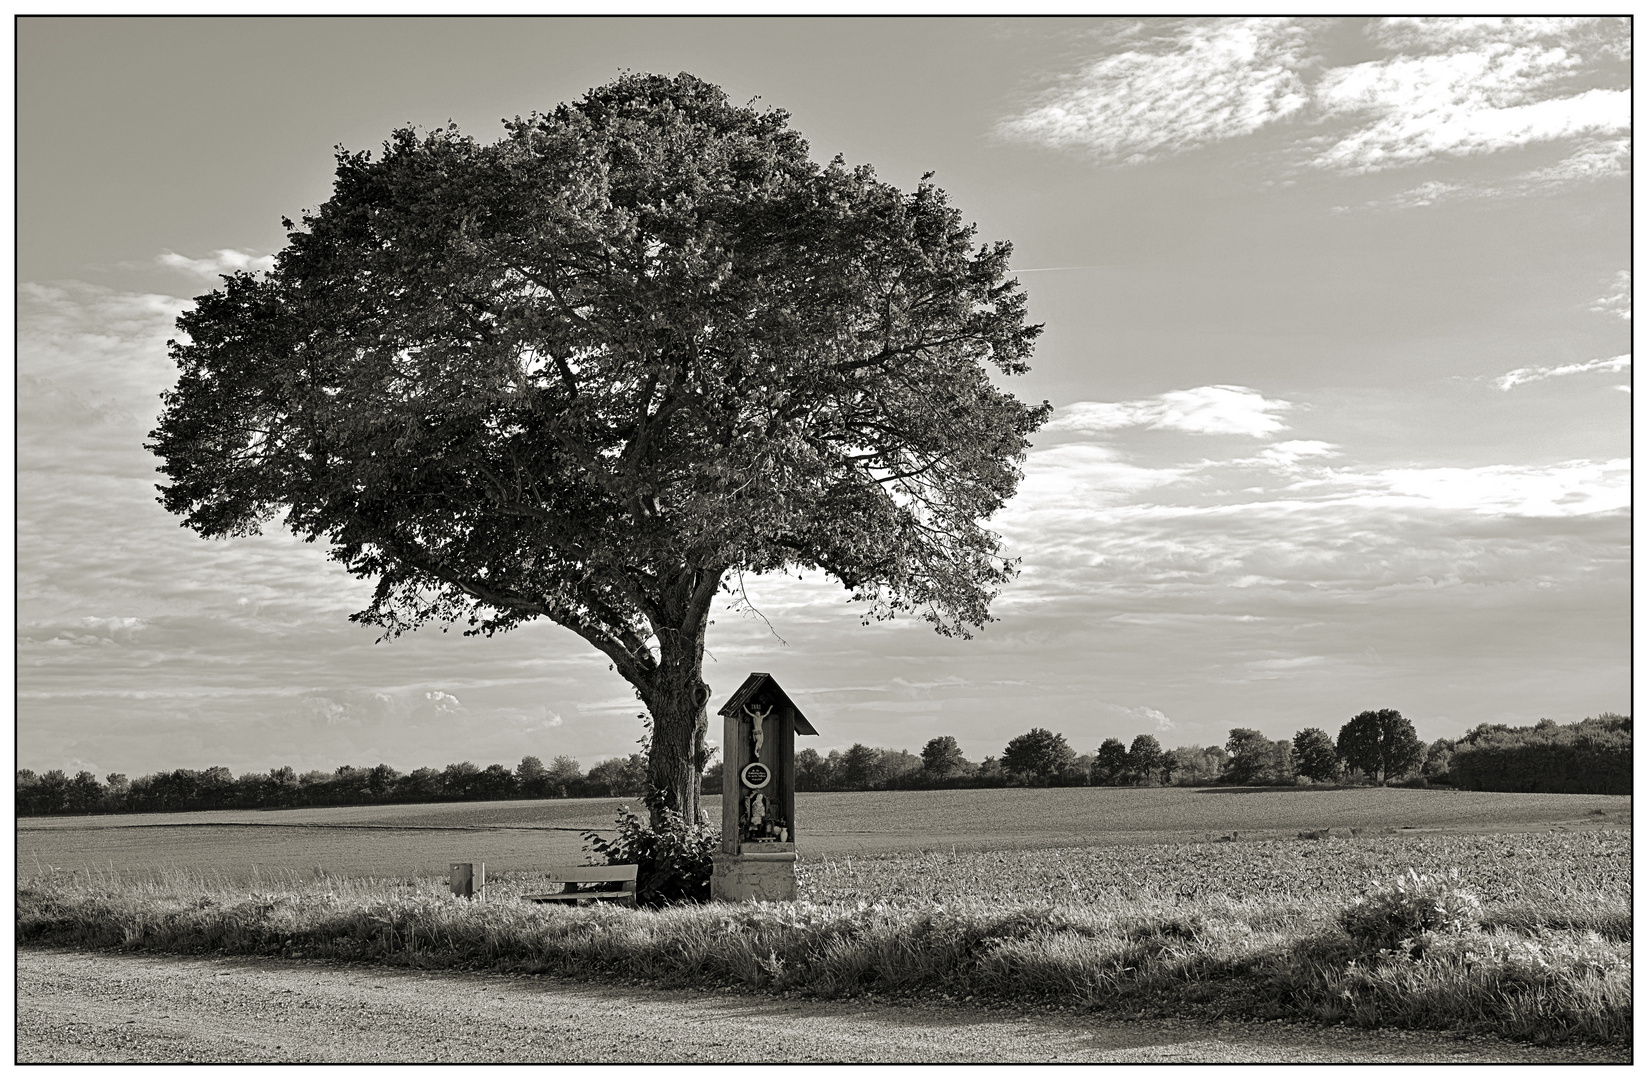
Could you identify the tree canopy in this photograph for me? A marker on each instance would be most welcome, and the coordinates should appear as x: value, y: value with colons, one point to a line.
x: 597, y: 369
x: 1145, y: 757
x: 1381, y: 743
x: 1257, y: 759
x: 1038, y: 753
x: 1315, y: 755
x: 1110, y: 763
x: 942, y: 756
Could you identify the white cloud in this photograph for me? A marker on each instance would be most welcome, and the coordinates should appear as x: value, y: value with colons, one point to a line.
x: 1592, y: 160
x: 1563, y: 490
x: 325, y: 711
x: 1155, y: 716
x: 1468, y: 86
x: 1199, y: 83
x: 1455, y: 88
x: 1426, y: 194
x: 1287, y: 455
x: 1535, y: 374
x: 1431, y: 33
x: 1617, y: 302
x: 1205, y: 410
x: 223, y: 261
x: 1418, y: 109
x: 1282, y: 667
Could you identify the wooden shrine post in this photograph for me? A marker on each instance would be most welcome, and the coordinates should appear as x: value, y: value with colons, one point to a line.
x: 757, y: 856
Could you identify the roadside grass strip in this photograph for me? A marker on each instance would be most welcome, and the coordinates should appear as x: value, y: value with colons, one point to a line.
x: 1252, y: 956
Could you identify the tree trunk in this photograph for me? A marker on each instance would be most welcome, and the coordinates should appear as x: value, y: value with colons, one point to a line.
x: 677, y: 699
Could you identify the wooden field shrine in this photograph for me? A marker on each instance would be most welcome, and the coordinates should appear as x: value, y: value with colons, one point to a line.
x: 757, y: 856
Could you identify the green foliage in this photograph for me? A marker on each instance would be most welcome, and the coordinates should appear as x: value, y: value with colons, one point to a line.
x: 589, y: 371
x: 1381, y: 743
x: 1196, y: 765
x: 1407, y: 911
x: 1438, y: 766
x: 1145, y: 759
x: 675, y: 859
x: 1315, y: 756
x: 715, y: 776
x: 1256, y: 759
x: 812, y: 771
x: 942, y: 757
x: 1110, y: 763
x: 1590, y: 757
x: 1038, y: 754
x: 618, y: 776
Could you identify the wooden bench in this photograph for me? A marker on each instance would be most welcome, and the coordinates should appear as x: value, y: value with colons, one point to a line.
x: 608, y: 876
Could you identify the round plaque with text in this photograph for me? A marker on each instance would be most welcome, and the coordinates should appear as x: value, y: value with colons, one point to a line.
x: 756, y: 775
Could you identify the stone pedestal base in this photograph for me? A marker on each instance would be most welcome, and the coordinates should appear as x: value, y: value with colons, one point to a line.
x: 765, y: 875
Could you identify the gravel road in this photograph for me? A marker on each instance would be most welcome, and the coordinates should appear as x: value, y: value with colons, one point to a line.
x: 101, y: 1007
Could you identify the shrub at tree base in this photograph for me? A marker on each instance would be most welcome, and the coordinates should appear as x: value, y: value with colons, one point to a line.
x: 675, y: 860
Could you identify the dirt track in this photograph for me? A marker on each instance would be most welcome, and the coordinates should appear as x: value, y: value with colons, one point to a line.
x: 87, y: 1007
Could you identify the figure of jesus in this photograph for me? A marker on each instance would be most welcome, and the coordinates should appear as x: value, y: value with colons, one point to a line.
x: 757, y: 727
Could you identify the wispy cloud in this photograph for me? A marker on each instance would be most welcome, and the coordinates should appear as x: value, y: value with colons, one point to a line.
x: 221, y: 262
x: 1479, y: 96
x: 1288, y: 455
x: 1430, y: 33
x: 1535, y: 374
x: 1194, y: 84
x: 1618, y: 302
x: 1593, y: 160
x: 1454, y: 88
x: 1204, y: 410
x: 1565, y: 489
x: 1160, y: 720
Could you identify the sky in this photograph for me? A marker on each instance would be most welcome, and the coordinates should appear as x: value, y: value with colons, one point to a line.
x: 1337, y: 328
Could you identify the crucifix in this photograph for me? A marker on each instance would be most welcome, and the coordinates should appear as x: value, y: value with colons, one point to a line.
x: 756, y: 726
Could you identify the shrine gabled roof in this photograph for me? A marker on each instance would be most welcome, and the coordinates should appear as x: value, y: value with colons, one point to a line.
x: 760, y: 682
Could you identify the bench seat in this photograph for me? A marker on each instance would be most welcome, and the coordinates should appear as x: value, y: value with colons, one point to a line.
x: 622, y: 876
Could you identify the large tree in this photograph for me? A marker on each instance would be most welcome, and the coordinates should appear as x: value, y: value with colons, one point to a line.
x: 1315, y: 755
x: 1256, y: 759
x: 1039, y: 754
x: 1110, y: 762
x: 1381, y: 743
x: 598, y: 370
x: 1144, y: 758
x: 942, y: 756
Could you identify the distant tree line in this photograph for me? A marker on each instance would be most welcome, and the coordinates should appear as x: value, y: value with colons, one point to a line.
x: 216, y: 788
x: 1375, y: 747
x: 1592, y: 757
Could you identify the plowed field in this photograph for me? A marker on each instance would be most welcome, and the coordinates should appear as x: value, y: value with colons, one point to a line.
x: 421, y: 840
